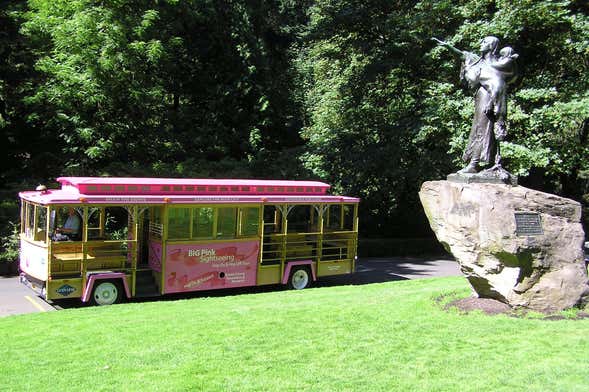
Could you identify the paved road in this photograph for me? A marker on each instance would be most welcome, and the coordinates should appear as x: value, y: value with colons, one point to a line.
x: 17, y: 299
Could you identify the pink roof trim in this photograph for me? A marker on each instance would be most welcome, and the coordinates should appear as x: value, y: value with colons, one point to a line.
x: 188, y: 186
x: 121, y: 190
x: 67, y: 197
x: 181, y: 181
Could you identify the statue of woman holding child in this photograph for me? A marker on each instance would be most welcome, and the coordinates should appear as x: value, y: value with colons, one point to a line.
x: 490, y: 74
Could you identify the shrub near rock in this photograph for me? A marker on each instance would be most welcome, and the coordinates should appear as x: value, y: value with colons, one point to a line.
x: 9, y: 252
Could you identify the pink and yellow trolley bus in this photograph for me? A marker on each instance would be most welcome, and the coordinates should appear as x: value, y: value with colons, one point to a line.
x: 137, y: 237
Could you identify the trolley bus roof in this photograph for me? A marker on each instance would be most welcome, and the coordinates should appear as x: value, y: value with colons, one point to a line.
x: 121, y: 190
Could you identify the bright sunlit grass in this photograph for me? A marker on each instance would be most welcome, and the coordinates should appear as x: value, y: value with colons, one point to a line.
x: 379, y: 337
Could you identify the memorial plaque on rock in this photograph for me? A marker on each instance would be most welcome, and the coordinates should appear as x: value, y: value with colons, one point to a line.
x: 528, y: 224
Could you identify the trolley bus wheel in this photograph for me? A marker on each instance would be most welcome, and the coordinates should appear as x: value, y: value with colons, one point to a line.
x: 106, y: 292
x: 299, y: 279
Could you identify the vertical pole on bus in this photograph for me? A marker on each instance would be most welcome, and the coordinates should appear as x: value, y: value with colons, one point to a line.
x: 355, y: 237
x: 239, y: 220
x: 215, y: 221
x: 135, y: 249
x: 35, y: 215
x: 261, y: 224
x: 101, y: 222
x: 284, y: 212
x: 261, y: 234
x: 83, y: 266
x: 84, y: 224
x: 27, y: 213
x: 23, y: 215
x: 164, y: 248
x: 320, y: 212
x: 349, y: 242
x: 191, y: 223
x: 47, y: 219
x: 49, y: 242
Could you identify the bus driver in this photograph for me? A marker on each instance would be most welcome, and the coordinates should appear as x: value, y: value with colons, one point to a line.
x: 70, y: 231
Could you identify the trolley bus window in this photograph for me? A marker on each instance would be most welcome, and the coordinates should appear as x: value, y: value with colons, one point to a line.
x: 41, y: 229
x: 202, y: 222
x: 199, y: 222
x: 272, y: 220
x: 116, y: 223
x: 179, y: 223
x: 250, y: 218
x: 95, y: 223
x: 156, y: 226
x: 299, y: 219
x: 340, y: 217
x: 226, y: 222
x: 334, y: 218
x: 30, y: 222
x: 348, y: 222
x: 36, y: 222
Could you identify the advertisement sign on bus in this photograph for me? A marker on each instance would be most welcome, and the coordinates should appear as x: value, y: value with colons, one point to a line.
x: 210, y: 266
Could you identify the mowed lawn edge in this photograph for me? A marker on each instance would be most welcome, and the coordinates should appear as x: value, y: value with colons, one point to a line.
x: 377, y: 337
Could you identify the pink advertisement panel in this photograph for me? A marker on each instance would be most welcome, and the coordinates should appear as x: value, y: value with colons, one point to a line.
x: 155, y: 256
x: 211, y: 266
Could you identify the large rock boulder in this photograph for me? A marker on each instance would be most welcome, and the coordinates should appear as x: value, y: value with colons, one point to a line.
x: 514, y: 244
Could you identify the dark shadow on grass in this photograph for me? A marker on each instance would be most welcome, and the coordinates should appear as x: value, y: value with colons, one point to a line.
x: 388, y: 269
x: 403, y: 266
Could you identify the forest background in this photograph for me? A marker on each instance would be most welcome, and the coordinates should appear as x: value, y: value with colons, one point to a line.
x: 351, y: 92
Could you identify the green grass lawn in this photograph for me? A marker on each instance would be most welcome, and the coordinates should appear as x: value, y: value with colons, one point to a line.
x: 379, y: 337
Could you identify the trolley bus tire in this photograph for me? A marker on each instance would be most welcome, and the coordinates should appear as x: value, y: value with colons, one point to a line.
x: 300, y: 278
x: 107, y: 292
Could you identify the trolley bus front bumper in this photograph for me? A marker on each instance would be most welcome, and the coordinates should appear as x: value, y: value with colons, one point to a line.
x: 38, y: 286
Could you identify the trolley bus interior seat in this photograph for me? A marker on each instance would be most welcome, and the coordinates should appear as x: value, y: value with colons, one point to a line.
x: 67, y: 257
x: 337, y: 246
x: 300, y: 246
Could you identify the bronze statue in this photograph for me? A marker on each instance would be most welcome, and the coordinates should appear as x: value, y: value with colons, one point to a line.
x: 489, y: 73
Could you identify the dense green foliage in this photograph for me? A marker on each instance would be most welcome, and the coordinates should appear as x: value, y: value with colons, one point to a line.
x: 351, y: 92
x: 387, y: 110
x: 167, y: 88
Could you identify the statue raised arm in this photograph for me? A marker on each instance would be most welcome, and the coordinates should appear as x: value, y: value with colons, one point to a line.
x: 464, y: 55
